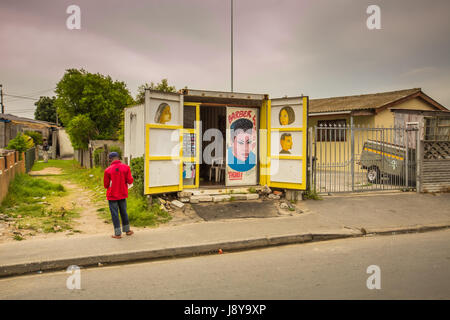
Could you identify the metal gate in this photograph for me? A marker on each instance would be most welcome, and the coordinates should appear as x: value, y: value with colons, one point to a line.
x: 354, y: 158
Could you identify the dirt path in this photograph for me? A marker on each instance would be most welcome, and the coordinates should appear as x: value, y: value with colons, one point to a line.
x: 89, y: 221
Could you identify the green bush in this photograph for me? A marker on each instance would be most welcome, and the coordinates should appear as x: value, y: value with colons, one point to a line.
x: 36, y: 136
x: 137, y: 171
x: 116, y: 149
x: 19, y: 143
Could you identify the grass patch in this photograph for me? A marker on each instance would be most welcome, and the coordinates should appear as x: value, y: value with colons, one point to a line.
x: 28, y: 202
x: 66, y: 165
x: 18, y: 238
x: 27, y: 190
x: 311, y: 195
x: 140, y: 214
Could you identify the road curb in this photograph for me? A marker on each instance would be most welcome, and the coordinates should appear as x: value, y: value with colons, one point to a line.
x: 203, y: 249
x: 413, y: 229
x: 166, y: 253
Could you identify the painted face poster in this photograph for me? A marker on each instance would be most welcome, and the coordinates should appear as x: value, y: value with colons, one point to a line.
x: 242, y: 144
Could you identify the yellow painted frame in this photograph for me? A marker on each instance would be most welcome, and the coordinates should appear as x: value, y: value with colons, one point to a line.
x: 303, y: 157
x: 196, y: 160
x: 263, y: 143
x: 148, y: 158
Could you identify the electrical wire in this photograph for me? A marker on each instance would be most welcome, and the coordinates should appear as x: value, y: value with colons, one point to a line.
x: 22, y: 97
x: 27, y: 96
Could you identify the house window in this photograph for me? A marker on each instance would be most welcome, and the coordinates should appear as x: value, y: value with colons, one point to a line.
x: 437, y: 128
x: 332, y: 130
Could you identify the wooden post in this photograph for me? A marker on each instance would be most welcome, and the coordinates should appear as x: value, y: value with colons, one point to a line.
x: 105, y: 153
x: 419, y: 158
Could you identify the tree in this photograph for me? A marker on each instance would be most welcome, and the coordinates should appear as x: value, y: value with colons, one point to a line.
x: 45, y: 109
x: 36, y: 136
x: 81, y: 129
x: 20, y: 143
x: 95, y: 97
x: 162, y: 86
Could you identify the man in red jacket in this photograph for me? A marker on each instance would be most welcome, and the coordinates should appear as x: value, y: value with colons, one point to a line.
x: 116, y: 179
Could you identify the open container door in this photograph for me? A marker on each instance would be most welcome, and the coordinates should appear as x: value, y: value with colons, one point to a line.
x: 163, y: 142
x: 287, y: 141
x: 191, y: 142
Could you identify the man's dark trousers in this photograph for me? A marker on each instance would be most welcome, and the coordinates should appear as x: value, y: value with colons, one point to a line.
x: 115, y: 206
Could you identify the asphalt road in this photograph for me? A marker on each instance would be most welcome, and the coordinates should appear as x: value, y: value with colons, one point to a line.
x: 412, y: 266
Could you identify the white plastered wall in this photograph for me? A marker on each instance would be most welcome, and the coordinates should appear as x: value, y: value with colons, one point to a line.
x: 134, y: 135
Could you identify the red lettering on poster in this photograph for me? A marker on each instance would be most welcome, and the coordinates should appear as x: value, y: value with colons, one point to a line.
x: 241, y: 114
x: 234, y: 175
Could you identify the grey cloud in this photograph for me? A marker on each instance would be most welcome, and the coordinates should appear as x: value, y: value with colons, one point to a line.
x: 320, y: 48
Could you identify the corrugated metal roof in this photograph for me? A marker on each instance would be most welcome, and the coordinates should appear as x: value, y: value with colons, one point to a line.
x: 14, y: 118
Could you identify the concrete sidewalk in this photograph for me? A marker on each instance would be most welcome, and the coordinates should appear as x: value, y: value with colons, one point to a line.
x: 331, y: 218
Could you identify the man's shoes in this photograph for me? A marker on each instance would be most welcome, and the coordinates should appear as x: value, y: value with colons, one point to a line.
x: 129, y: 233
x: 116, y: 237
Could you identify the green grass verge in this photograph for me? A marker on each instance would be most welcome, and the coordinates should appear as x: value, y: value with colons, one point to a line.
x: 140, y: 214
x: 28, y: 202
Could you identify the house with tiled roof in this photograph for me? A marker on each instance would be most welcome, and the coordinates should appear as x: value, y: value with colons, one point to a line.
x: 372, y: 110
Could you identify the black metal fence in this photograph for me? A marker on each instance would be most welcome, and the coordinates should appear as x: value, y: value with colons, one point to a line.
x: 359, y: 158
x: 30, y: 157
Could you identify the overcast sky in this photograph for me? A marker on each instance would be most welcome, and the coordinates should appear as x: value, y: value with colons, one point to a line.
x: 320, y: 48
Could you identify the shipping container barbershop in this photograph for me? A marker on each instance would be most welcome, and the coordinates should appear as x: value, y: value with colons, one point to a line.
x: 263, y: 141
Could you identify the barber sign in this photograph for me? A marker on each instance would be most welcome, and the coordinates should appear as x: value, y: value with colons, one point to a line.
x: 242, y: 146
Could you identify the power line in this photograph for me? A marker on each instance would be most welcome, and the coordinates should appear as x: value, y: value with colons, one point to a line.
x: 22, y: 97
x: 34, y: 92
x: 15, y: 110
x: 28, y: 96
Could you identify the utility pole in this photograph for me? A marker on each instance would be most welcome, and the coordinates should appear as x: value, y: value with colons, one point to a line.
x: 231, y: 45
x: 1, y: 98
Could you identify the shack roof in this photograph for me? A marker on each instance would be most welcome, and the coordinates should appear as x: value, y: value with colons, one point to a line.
x: 27, y: 121
x: 375, y: 101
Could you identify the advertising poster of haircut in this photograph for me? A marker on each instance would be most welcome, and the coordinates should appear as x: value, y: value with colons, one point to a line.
x: 242, y: 146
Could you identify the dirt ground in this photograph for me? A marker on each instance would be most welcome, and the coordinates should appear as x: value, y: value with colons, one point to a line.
x: 46, y: 171
x: 89, y: 222
x: 77, y: 198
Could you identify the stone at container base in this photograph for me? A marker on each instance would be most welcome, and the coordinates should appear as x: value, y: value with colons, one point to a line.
x: 294, y: 195
x: 184, y: 200
x: 202, y: 198
x: 177, y: 204
x: 238, y: 196
x: 273, y: 196
x: 266, y: 190
x: 287, y: 205
x: 184, y: 194
x: 221, y: 198
x: 194, y: 200
x: 284, y: 205
x: 252, y: 196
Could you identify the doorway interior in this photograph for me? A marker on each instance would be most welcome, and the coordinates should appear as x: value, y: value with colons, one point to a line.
x: 212, y: 173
